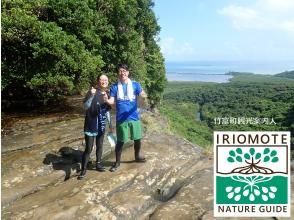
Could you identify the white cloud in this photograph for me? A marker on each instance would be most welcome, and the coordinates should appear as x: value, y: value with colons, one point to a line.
x: 241, y: 17
x: 186, y: 48
x: 277, y: 5
x: 171, y: 48
x: 288, y: 26
x: 166, y: 45
x: 263, y: 15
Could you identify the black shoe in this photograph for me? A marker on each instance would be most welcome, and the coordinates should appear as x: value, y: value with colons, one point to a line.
x: 114, y: 167
x: 140, y: 159
x: 100, y: 167
x: 82, y: 175
x: 137, y: 148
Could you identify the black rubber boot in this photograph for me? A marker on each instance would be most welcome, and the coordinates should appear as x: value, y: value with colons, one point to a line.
x: 137, y: 148
x: 82, y: 175
x: 118, y: 150
x: 100, y: 167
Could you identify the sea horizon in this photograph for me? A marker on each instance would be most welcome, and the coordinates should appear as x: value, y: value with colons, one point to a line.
x: 216, y: 71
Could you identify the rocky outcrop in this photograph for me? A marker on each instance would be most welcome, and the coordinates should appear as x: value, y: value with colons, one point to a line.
x: 42, y: 152
x: 40, y: 163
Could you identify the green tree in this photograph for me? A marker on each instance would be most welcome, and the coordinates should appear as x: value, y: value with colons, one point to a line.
x: 55, y: 47
x: 156, y: 81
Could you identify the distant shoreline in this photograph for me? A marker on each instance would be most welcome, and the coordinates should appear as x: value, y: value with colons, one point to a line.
x: 195, y: 77
x: 222, y: 71
x: 220, y: 78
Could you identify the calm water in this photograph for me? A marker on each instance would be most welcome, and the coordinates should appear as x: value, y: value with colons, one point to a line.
x: 214, y: 71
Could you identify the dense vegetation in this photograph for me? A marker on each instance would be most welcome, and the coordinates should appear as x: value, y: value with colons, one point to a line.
x: 248, y: 102
x: 55, y: 47
x: 286, y: 74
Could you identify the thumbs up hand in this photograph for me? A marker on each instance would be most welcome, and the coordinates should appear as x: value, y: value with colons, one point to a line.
x: 93, y: 90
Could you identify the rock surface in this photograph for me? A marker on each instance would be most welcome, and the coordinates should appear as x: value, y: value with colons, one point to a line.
x: 41, y: 156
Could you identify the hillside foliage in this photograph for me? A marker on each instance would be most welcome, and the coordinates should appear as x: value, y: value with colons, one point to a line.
x: 286, y: 74
x: 51, y: 48
x: 247, y: 103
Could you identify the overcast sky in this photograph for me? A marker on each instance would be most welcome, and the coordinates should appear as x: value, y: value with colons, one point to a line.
x: 226, y: 29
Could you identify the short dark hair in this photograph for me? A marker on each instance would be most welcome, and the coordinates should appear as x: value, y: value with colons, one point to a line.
x: 123, y: 66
